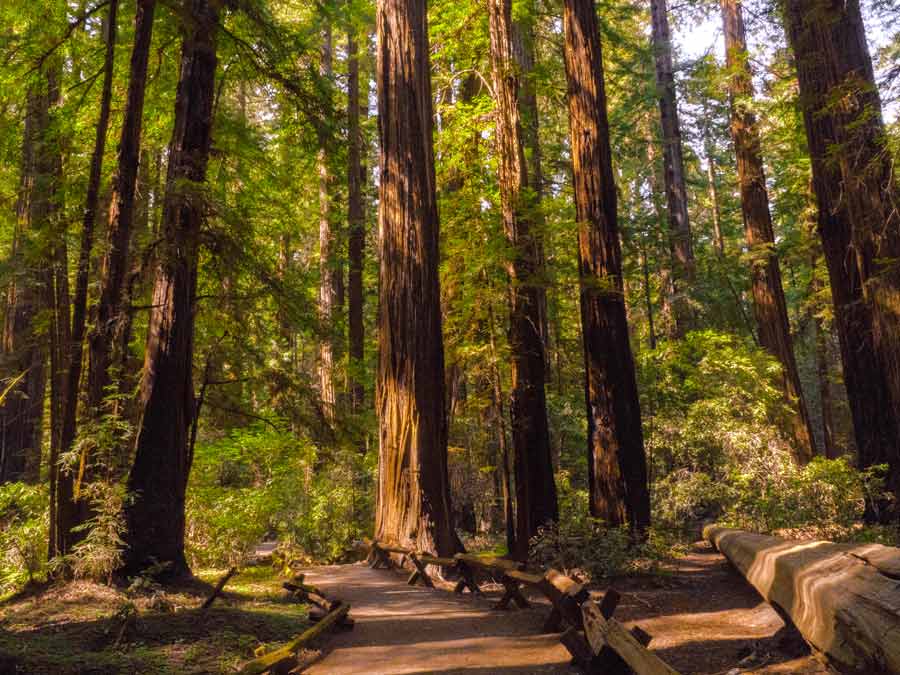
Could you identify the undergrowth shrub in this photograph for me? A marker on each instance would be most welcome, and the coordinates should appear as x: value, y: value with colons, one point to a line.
x: 586, y: 547
x: 258, y: 483
x: 23, y: 534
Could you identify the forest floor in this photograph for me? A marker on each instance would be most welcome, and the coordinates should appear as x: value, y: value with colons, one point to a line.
x: 704, y: 617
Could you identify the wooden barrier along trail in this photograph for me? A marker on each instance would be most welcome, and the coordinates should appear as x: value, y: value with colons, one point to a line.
x: 597, y: 642
x: 843, y: 598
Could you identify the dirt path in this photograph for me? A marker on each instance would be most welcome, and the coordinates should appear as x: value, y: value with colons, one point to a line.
x: 705, y: 619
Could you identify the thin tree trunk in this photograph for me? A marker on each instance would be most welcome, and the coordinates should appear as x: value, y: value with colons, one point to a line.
x: 617, y: 467
x: 68, y: 513
x: 357, y: 111
x: 155, y: 517
x: 535, y: 487
x: 509, y: 514
x: 328, y: 259
x: 413, y: 501
x: 857, y: 196
x: 114, y: 265
x: 770, y: 307
x: 718, y: 239
x: 25, y: 344
x: 648, y: 298
x: 822, y: 360
x: 673, y: 162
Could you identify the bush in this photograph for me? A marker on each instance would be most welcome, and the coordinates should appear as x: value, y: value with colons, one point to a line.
x: 586, y: 547
x: 258, y: 484
x: 24, y: 524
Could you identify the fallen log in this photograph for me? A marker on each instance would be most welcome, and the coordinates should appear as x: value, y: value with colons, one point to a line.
x: 843, y: 598
x: 288, y: 652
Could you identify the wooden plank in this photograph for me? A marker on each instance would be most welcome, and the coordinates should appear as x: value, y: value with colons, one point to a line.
x: 525, y: 577
x: 512, y: 593
x: 843, y: 598
x: 566, y: 594
x: 287, y: 653
x: 601, y: 632
x: 420, y: 572
x: 434, y: 560
x: 490, y: 563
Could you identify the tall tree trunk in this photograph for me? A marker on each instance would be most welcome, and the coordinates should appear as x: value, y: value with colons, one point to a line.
x: 115, y: 261
x: 617, y: 467
x: 158, y: 479
x: 673, y: 163
x: 413, y: 502
x: 535, y: 487
x: 857, y: 196
x: 770, y: 307
x: 718, y: 239
x: 822, y: 360
x: 68, y: 513
x: 357, y: 110
x: 509, y: 514
x: 329, y: 274
x: 523, y: 52
x: 25, y: 343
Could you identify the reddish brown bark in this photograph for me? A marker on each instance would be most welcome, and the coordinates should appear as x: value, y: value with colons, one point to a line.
x: 683, y: 267
x: 357, y: 110
x: 67, y: 512
x: 25, y: 344
x: 109, y: 319
x: 857, y: 196
x: 769, y: 305
x: 617, y: 468
x: 413, y: 501
x: 535, y: 487
x: 155, y: 517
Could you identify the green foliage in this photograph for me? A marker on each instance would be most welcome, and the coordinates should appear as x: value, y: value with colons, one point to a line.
x: 587, y: 546
x: 23, y: 534
x: 256, y: 484
x: 99, y: 554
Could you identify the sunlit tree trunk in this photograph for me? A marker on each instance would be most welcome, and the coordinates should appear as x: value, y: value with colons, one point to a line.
x: 859, y: 222
x: 357, y: 110
x: 535, y: 488
x: 329, y: 273
x: 67, y: 513
x: 617, y: 467
x: 155, y: 516
x: 114, y: 264
x: 413, y: 500
x: 770, y: 307
x: 673, y: 164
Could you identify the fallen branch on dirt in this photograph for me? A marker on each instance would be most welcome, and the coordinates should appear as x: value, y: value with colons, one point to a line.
x: 843, y: 598
x: 288, y: 653
x: 218, y: 589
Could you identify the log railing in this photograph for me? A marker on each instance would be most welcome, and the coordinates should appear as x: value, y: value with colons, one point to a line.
x: 599, y: 644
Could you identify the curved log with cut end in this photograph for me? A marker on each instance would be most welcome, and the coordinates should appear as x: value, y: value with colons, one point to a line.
x: 843, y: 598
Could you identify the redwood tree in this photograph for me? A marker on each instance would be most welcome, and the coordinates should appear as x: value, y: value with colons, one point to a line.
x: 617, y: 467
x: 681, y: 243
x: 155, y: 516
x: 857, y: 196
x: 535, y: 488
x: 413, y: 501
x: 769, y: 304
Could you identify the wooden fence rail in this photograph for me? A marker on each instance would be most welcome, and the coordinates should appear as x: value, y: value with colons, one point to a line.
x: 599, y: 644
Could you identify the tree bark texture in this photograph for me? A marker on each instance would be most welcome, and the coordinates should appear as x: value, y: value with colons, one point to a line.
x: 69, y: 512
x: 673, y: 165
x: 155, y: 517
x: 357, y: 110
x: 24, y: 343
x: 413, y: 501
x: 770, y: 307
x: 114, y: 265
x: 535, y: 487
x: 329, y: 271
x: 856, y: 193
x: 617, y: 467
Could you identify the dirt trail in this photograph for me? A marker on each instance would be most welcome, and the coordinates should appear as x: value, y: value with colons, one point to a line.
x: 704, y: 618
